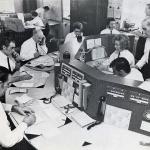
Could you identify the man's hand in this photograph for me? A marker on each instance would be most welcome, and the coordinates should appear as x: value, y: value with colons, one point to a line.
x: 20, y: 109
x: 30, y: 119
x: 36, y: 54
x: 135, y: 66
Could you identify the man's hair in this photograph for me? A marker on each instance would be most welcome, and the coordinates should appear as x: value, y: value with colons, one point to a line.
x: 109, y: 20
x: 147, y: 20
x: 4, y: 72
x: 78, y: 25
x: 7, y: 42
x: 123, y: 39
x: 34, y: 13
x: 121, y: 64
x: 46, y: 8
x: 148, y: 5
x: 36, y: 30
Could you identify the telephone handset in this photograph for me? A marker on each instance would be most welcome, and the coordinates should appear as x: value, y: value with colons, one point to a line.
x: 56, y: 83
x: 100, y: 112
x: 101, y: 108
x: 42, y: 41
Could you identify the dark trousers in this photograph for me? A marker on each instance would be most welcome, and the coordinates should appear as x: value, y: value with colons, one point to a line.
x: 146, y: 71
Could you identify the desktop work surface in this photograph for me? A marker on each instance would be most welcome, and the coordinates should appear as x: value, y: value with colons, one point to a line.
x: 57, y: 128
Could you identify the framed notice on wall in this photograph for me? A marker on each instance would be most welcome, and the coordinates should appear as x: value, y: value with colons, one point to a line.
x: 7, y: 6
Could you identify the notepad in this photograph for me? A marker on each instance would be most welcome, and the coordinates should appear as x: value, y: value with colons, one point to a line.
x: 81, y: 118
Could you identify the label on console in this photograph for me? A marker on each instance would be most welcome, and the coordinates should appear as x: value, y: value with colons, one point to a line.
x: 145, y: 126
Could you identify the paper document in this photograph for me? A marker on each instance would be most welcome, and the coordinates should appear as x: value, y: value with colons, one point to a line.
x: 43, y: 60
x: 27, y: 84
x: 60, y: 101
x: 98, y: 42
x: 145, y: 86
x: 117, y: 116
x: 81, y: 118
x: 23, y: 99
x: 45, y: 129
x: 90, y: 43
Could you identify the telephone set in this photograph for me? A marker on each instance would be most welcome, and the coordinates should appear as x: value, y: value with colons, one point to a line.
x: 79, y: 38
x: 42, y: 41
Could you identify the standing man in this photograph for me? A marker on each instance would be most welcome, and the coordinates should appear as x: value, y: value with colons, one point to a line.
x: 35, y: 46
x: 42, y: 12
x: 143, y: 50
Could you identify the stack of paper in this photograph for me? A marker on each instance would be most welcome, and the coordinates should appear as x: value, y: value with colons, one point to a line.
x: 81, y: 118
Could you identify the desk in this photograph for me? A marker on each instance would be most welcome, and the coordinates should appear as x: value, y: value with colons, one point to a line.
x: 71, y: 136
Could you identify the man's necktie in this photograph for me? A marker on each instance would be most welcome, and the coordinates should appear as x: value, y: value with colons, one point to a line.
x: 8, y: 62
x: 37, y: 48
x: 118, y: 54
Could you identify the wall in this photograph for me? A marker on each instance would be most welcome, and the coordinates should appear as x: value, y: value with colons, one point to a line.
x: 18, y: 6
x: 134, y: 11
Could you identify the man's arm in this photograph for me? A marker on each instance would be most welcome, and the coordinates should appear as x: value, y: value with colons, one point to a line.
x: 25, y: 52
x: 9, y: 138
x: 142, y: 61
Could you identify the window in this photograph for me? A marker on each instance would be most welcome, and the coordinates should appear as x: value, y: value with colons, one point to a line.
x: 133, y: 11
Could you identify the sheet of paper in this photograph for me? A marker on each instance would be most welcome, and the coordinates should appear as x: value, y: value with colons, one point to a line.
x: 145, y: 86
x: 98, y: 42
x: 145, y: 126
x: 60, y: 101
x: 117, y: 116
x: 27, y: 84
x: 90, y: 43
x: 57, y: 117
x: 24, y: 99
x: 98, y: 53
x: 46, y: 129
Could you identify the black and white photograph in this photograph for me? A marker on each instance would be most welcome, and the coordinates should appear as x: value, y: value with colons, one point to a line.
x: 74, y: 74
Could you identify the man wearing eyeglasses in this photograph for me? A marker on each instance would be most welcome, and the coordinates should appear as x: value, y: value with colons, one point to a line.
x: 9, y: 57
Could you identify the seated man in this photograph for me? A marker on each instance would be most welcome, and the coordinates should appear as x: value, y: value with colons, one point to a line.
x: 111, y: 25
x: 8, y: 137
x: 9, y: 57
x: 34, y: 47
x: 122, y: 68
x: 37, y: 21
x: 74, y: 39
